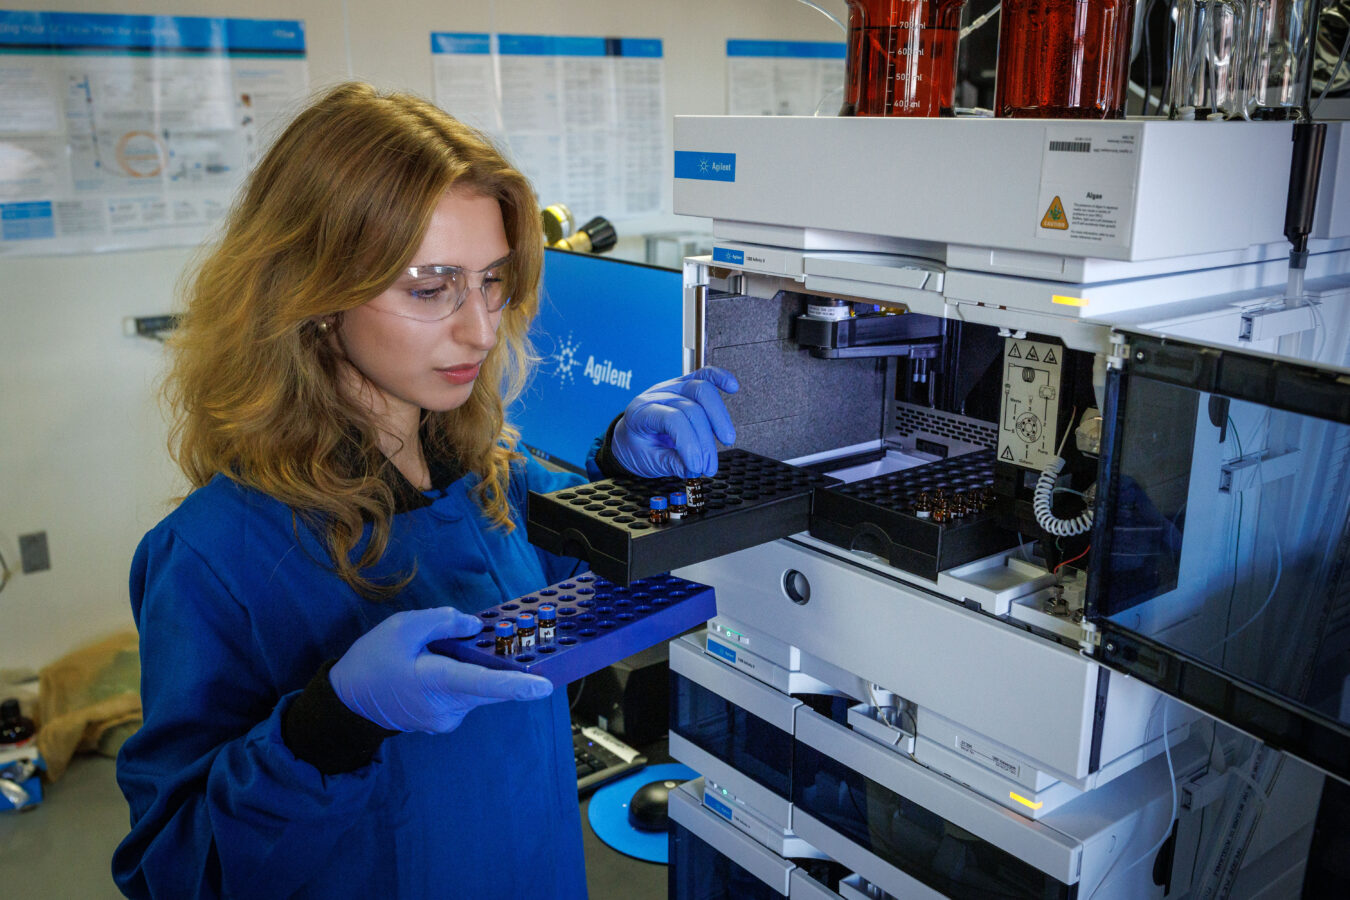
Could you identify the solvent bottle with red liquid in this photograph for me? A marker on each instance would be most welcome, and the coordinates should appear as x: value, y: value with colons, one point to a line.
x: 901, y: 57
x: 1063, y: 59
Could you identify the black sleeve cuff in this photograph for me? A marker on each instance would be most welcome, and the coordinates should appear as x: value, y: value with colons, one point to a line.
x: 604, y: 455
x: 319, y: 729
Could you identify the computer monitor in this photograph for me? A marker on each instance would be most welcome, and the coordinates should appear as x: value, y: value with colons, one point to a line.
x: 606, y: 329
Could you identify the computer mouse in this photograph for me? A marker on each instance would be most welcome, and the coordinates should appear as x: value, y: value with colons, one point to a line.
x: 647, y: 809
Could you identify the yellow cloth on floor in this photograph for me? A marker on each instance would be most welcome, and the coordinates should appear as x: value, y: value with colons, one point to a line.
x: 85, y: 694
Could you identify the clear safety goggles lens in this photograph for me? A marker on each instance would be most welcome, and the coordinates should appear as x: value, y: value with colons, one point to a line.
x: 432, y: 293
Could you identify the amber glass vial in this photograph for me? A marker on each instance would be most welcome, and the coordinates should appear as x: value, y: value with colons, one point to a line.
x: 506, y: 638
x: 696, y: 495
x: 1063, y: 59
x: 525, y: 630
x: 548, y: 621
x: 901, y: 57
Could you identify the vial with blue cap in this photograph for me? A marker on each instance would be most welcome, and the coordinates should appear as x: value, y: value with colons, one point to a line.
x: 506, y: 637
x: 678, y: 505
x: 525, y: 630
x: 548, y: 621
x: 659, y: 511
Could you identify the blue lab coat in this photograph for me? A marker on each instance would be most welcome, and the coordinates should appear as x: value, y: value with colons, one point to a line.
x: 237, y: 610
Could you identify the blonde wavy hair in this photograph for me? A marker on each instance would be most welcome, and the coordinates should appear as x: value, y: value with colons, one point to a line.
x: 327, y: 220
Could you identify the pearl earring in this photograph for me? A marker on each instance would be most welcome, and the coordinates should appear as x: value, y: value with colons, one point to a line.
x: 324, y: 326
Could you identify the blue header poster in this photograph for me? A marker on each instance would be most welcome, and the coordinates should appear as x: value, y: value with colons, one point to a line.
x: 584, y: 117
x: 123, y: 132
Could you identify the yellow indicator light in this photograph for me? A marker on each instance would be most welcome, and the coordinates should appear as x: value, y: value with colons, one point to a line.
x: 1025, y: 802
x: 1068, y: 301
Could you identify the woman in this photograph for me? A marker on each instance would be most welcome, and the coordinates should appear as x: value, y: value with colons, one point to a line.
x: 338, y: 386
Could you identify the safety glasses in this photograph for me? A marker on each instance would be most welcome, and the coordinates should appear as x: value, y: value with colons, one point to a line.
x: 433, y: 293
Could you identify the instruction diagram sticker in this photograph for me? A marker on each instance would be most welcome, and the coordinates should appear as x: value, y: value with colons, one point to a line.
x: 1087, y: 185
x: 1030, y: 414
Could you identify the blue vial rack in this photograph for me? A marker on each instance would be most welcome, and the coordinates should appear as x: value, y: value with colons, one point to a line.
x: 599, y: 623
x: 751, y: 500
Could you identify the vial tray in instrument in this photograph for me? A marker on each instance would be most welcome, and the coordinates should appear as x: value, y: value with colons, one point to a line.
x: 751, y: 499
x: 877, y: 515
x: 599, y: 623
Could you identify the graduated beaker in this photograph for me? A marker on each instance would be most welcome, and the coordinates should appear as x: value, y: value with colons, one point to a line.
x: 1063, y: 58
x: 901, y: 57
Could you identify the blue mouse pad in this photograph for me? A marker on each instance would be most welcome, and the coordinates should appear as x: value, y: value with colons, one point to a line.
x: 608, y: 813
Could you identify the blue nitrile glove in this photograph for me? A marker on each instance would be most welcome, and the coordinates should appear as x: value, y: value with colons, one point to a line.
x: 669, y: 428
x: 390, y: 677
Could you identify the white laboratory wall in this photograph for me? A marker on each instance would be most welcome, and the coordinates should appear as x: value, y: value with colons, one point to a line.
x: 82, y: 440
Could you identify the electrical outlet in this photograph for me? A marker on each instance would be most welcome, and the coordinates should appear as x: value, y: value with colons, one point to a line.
x: 33, y: 552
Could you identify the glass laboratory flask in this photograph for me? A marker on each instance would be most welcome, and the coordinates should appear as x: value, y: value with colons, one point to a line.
x: 1064, y: 59
x: 1242, y: 58
x: 1281, y: 37
x: 1208, y: 63
x: 901, y: 57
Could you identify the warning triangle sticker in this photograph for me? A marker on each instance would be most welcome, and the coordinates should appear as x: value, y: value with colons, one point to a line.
x: 1050, y: 358
x: 1006, y: 454
x: 1014, y: 353
x: 1055, y: 217
x: 1031, y: 355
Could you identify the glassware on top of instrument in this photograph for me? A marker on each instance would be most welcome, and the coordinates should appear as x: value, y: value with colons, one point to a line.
x: 1063, y: 59
x: 901, y: 57
x: 1281, y: 47
x: 1242, y: 58
x: 1207, y: 64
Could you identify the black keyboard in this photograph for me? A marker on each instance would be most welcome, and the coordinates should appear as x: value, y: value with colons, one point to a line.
x: 601, y: 757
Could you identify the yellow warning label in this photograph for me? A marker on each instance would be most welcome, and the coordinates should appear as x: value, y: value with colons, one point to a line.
x: 1055, y: 217
x: 1068, y: 301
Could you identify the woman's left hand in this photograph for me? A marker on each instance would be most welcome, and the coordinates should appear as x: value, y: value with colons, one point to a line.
x: 672, y: 428
x: 391, y: 678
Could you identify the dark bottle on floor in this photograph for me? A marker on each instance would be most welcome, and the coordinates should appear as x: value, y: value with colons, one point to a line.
x: 15, y: 728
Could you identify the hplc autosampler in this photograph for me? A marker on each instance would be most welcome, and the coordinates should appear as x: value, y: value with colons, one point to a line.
x: 1050, y: 687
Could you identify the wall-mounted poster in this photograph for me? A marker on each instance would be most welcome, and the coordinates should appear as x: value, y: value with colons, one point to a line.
x: 784, y: 78
x: 125, y: 132
x: 583, y: 117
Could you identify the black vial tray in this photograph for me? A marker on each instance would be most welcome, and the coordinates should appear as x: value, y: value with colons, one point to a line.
x: 751, y: 499
x: 877, y: 515
x: 886, y: 334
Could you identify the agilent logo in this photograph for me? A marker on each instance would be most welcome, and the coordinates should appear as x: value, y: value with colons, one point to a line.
x: 607, y: 373
x: 567, y: 360
x: 712, y: 168
x: 705, y: 166
x: 564, y: 361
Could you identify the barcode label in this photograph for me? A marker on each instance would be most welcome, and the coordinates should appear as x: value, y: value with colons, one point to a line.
x: 1071, y: 146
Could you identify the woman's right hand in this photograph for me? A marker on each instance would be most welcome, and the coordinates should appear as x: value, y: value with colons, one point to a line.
x: 391, y: 678
x: 672, y: 428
